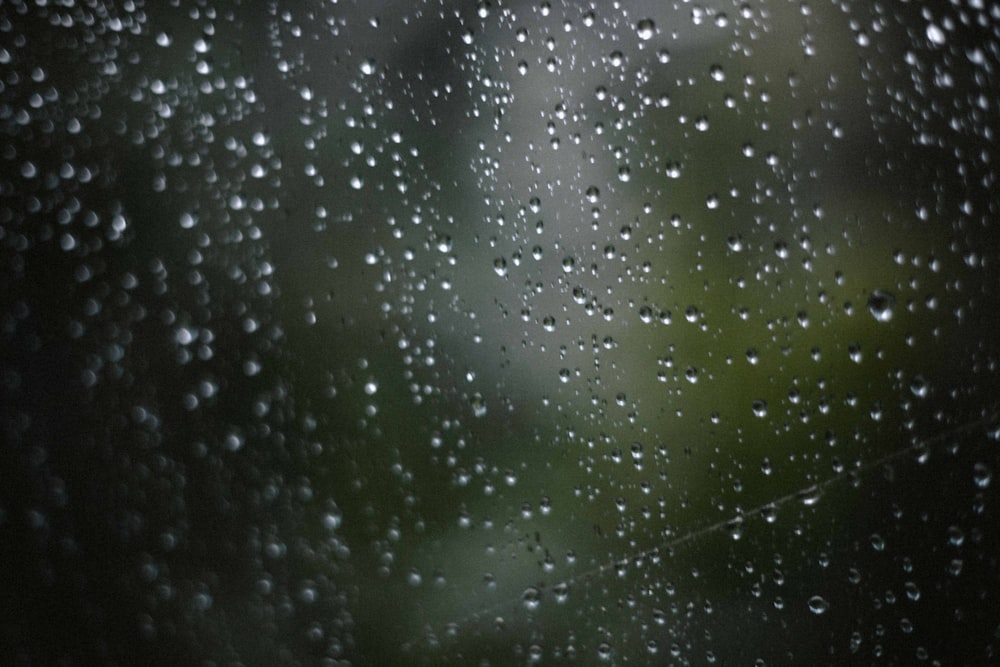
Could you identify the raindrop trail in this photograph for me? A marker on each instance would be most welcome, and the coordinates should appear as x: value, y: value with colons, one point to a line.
x: 809, y: 495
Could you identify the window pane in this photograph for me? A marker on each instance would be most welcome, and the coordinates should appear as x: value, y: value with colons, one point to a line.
x: 503, y: 332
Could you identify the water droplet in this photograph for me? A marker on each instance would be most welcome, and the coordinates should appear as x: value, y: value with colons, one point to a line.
x: 818, y: 605
x: 645, y: 29
x: 760, y: 408
x: 982, y: 475
x: 810, y: 496
x: 604, y: 651
x: 881, y: 304
x: 532, y: 598
x: 935, y: 34
x: 735, y: 528
x: 478, y: 404
x: 854, y: 352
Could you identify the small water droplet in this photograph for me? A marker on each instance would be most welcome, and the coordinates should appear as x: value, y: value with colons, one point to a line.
x: 604, y: 652
x: 818, y: 605
x: 532, y: 598
x: 982, y: 475
x: 645, y: 29
x: 881, y: 304
x: 478, y: 404
x: 810, y: 496
x: 935, y: 34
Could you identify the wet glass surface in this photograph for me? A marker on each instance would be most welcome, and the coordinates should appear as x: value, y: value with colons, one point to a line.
x: 499, y: 332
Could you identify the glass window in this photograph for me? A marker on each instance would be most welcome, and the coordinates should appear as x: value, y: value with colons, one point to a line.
x: 499, y: 332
